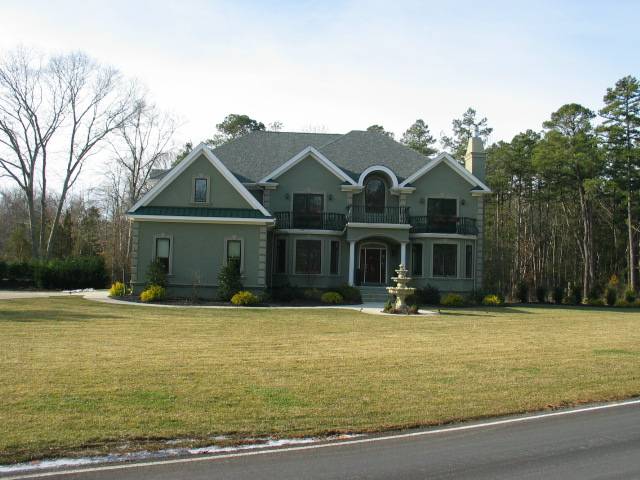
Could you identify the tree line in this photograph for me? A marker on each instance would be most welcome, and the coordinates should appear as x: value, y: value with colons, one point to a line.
x: 563, y: 212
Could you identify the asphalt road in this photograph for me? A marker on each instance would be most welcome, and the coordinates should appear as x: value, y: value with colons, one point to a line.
x: 597, y: 444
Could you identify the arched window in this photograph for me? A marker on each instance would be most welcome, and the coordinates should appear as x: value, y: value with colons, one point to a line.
x: 375, y: 194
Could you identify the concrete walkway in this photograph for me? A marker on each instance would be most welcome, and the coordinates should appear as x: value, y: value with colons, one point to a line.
x: 103, y: 297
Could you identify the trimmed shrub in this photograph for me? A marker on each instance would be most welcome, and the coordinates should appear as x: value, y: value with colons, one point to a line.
x: 156, y: 274
x: 229, y: 280
x: 68, y: 273
x: 453, y: 300
x: 622, y: 303
x: 244, y: 297
x: 4, y: 270
x: 118, y: 289
x: 492, y: 301
x: 20, y: 271
x: 557, y: 295
x: 630, y: 295
x: 332, y: 297
x: 312, y: 293
x: 611, y: 296
x: 428, y: 295
x: 522, y: 292
x: 153, y: 293
x: 349, y: 294
x: 595, y: 302
x: 541, y: 294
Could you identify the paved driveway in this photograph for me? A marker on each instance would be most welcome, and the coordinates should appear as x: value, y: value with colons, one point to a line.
x: 12, y: 294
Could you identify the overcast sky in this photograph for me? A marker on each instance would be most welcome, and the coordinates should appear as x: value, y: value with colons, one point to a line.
x: 344, y: 65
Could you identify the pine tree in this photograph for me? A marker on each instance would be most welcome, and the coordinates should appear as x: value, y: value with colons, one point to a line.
x: 419, y: 138
x: 621, y: 128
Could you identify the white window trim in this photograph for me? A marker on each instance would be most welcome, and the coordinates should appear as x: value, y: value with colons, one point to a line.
x: 153, y: 249
x: 421, y: 259
x: 445, y: 242
x: 339, y: 256
x: 295, y: 252
x: 237, y: 239
x: 193, y: 189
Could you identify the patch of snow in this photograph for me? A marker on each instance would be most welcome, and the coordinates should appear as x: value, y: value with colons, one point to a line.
x: 147, y: 455
x: 267, y: 444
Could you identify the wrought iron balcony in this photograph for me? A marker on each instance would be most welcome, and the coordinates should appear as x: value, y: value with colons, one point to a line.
x: 362, y: 214
x: 310, y: 221
x: 444, y: 224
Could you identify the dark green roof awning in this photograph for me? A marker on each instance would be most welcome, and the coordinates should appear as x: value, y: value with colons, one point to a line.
x: 200, y: 212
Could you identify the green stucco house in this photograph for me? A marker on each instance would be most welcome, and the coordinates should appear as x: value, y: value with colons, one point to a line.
x: 315, y: 210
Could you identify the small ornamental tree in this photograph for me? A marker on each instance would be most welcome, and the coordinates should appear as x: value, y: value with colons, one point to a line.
x: 229, y: 280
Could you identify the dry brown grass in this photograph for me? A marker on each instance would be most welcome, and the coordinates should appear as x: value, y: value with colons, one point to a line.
x: 77, y: 374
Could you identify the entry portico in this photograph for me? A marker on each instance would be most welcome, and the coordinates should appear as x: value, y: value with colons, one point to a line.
x: 375, y: 250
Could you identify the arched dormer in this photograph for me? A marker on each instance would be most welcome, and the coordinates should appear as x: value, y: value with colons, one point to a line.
x: 386, y: 172
x: 377, y: 182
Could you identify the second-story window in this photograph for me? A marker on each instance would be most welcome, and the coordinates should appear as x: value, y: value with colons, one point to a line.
x: 441, y: 214
x: 307, y: 210
x: 375, y: 195
x: 200, y: 190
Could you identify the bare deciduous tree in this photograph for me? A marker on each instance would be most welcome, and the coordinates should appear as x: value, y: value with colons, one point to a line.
x: 68, y: 101
x: 99, y: 101
x: 32, y: 108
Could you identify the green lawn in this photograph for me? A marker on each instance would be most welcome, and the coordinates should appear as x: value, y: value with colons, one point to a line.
x: 77, y: 375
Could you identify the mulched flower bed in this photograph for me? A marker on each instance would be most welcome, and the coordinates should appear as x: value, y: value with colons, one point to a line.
x: 187, y: 302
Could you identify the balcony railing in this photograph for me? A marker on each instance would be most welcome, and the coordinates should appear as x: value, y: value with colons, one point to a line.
x: 444, y: 224
x: 362, y: 214
x: 313, y: 221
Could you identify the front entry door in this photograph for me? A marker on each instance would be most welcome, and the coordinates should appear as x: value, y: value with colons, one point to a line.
x: 373, y: 263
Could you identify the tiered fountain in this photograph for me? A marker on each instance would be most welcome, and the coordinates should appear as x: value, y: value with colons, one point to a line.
x: 401, y: 291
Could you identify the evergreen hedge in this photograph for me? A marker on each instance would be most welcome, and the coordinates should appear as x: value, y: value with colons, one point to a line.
x: 61, y: 274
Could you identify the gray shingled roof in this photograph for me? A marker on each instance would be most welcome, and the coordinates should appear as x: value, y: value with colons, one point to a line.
x: 257, y: 154
x: 358, y: 150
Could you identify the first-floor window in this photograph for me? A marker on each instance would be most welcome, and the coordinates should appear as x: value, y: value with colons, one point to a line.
x: 308, y: 256
x: 445, y: 260
x: 234, y: 252
x: 335, y: 257
x: 163, y: 250
x: 281, y: 255
x: 416, y: 259
x: 468, y: 262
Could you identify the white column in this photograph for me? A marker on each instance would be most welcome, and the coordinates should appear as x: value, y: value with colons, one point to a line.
x: 352, y: 254
x: 403, y: 253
